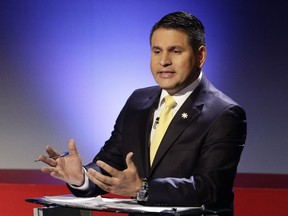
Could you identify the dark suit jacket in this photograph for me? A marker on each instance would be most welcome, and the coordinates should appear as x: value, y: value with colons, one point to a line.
x: 197, y: 159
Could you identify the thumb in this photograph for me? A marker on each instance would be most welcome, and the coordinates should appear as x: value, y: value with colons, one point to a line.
x: 72, y: 148
x: 129, y: 161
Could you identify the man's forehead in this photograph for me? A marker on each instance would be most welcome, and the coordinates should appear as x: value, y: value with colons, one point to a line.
x: 169, y: 41
x: 162, y: 35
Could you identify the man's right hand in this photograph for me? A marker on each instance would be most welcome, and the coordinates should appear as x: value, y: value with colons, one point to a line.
x: 68, y: 168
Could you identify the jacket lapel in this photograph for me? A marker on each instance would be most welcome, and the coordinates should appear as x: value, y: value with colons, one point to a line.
x: 146, y: 120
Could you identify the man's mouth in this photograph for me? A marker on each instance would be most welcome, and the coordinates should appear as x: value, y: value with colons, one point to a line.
x: 166, y: 74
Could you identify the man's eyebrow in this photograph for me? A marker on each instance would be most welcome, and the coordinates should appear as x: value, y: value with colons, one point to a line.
x: 169, y: 48
x: 156, y: 47
x: 175, y: 47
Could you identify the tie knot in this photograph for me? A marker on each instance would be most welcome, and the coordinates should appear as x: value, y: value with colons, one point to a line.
x: 169, y: 101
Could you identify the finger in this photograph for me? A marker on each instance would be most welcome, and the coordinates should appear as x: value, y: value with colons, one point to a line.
x: 72, y: 148
x: 47, y: 160
x: 97, y: 176
x: 109, y: 169
x: 48, y: 169
x: 99, y: 179
x: 50, y: 151
x: 56, y: 174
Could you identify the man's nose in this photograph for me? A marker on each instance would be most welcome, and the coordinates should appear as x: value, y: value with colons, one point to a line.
x: 165, y: 60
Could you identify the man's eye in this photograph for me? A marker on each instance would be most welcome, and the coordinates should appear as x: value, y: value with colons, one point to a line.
x: 177, y: 51
x: 156, y: 51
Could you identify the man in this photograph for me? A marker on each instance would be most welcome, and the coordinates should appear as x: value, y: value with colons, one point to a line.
x: 196, y: 161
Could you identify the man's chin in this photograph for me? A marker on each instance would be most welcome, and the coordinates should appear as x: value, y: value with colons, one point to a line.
x: 169, y: 89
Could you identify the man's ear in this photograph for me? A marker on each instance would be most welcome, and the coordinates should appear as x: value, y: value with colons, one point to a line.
x: 201, y: 56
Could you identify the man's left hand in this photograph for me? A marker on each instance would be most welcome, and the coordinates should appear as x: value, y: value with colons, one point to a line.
x: 125, y: 183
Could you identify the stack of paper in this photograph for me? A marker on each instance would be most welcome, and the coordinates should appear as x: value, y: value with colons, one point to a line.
x: 112, y: 204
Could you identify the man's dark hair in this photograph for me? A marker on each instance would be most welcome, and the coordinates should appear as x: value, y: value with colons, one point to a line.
x: 186, y: 23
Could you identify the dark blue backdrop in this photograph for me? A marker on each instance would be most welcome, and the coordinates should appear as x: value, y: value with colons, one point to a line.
x: 67, y: 68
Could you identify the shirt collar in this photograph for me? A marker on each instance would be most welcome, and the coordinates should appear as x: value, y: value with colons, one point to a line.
x: 184, y: 93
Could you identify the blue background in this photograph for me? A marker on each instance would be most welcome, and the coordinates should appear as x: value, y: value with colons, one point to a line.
x: 67, y: 68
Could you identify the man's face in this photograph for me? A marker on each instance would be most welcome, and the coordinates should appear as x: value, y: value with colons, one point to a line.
x: 174, y: 64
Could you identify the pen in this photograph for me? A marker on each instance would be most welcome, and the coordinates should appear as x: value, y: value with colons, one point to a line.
x: 64, y: 154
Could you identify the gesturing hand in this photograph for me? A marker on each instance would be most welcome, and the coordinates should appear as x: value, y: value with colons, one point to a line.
x: 68, y: 169
x: 126, y: 182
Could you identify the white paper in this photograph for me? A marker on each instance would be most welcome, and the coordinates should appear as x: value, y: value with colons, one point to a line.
x: 99, y: 203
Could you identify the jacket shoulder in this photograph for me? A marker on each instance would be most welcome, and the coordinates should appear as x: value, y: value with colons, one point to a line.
x: 147, y: 90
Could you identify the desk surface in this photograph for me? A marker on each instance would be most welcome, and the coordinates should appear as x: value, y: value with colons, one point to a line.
x: 135, y: 208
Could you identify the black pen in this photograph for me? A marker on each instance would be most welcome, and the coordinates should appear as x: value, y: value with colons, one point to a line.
x: 64, y: 154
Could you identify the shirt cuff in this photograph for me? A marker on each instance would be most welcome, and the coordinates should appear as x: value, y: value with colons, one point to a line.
x: 85, y: 185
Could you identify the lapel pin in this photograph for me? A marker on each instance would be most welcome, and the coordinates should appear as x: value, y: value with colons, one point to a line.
x: 184, y: 115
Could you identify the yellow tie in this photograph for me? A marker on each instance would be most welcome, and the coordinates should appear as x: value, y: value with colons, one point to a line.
x: 164, y: 121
